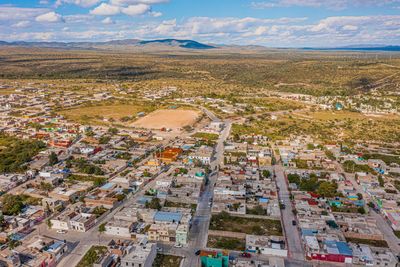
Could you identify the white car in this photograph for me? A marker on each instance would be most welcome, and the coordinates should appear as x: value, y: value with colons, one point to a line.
x: 178, y: 245
x: 61, y: 231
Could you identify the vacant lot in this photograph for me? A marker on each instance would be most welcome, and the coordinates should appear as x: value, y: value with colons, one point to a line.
x: 166, y: 261
x: 375, y: 243
x: 104, y: 114
x: 168, y: 118
x: 226, y: 243
x: 92, y: 255
x: 251, y: 226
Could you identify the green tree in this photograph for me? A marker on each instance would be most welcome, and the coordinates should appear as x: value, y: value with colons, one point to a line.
x: 309, y: 185
x: 153, y: 204
x: 266, y: 173
x: 53, y: 158
x: 294, y: 178
x: 327, y: 189
x: 102, y: 230
x: 381, y: 181
x: 49, y: 224
x: 12, y: 204
x: 361, y: 210
x: 112, y: 131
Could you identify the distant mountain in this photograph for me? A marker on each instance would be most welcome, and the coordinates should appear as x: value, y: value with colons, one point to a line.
x: 385, y: 48
x: 181, y: 43
x: 166, y: 43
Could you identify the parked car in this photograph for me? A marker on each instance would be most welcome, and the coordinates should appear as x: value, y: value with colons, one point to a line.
x: 61, y: 231
x: 294, y: 223
x: 197, y: 253
x: 178, y: 245
x: 245, y: 255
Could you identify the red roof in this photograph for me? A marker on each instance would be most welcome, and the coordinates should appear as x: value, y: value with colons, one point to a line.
x: 312, y: 202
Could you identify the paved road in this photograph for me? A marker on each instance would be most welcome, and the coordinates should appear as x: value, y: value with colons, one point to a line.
x: 294, y: 243
x: 384, y: 226
x: 199, y: 231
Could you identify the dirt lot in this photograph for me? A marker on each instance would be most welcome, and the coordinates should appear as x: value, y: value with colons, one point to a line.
x: 97, y: 114
x: 168, y: 118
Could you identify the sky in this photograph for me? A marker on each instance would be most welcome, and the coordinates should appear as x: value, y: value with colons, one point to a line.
x: 272, y: 23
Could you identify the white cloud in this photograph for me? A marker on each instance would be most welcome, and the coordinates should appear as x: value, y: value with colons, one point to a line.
x: 106, y: 10
x: 135, y: 2
x: 19, y: 13
x: 49, y: 17
x: 329, y: 4
x: 22, y: 24
x: 155, y: 14
x: 107, y: 20
x: 82, y: 3
x: 350, y: 28
x: 136, y: 10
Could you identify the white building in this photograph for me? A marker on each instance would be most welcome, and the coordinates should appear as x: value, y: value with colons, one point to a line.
x: 140, y: 256
x: 119, y: 228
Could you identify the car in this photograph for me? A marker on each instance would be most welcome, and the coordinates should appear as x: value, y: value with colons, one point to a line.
x: 197, y: 253
x: 178, y: 245
x: 294, y: 223
x: 245, y: 255
x: 159, y: 249
x: 61, y: 231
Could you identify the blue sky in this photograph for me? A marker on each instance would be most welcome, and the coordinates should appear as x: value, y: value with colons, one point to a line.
x: 274, y: 23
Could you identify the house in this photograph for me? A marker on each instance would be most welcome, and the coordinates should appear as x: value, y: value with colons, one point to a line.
x: 170, y: 154
x: 181, y: 235
x: 267, y: 245
x: 140, y: 256
x: 82, y: 222
x: 119, y: 228
x: 203, y: 154
x: 214, y: 259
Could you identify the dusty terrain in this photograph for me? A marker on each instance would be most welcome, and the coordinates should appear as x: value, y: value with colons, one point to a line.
x: 168, y: 118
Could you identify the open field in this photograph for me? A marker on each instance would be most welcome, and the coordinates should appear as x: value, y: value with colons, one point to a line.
x: 328, y: 126
x: 226, y: 243
x: 168, y: 118
x: 166, y: 261
x: 200, y: 73
x: 251, y: 226
x: 104, y: 114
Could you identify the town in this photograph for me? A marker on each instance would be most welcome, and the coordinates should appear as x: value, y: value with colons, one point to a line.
x: 172, y: 182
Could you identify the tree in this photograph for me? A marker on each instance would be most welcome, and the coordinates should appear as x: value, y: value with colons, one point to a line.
x: 309, y: 185
x: 12, y: 204
x: 112, y: 131
x: 153, y: 204
x: 266, y: 173
x: 53, y: 158
x: 236, y: 206
x: 327, y: 189
x: 49, y: 224
x: 294, y: 178
x: 361, y: 210
x: 360, y: 196
x: 102, y: 229
x: 13, y: 244
x: 381, y: 181
x: 46, y: 186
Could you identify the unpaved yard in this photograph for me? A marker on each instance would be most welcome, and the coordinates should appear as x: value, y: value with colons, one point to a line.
x: 168, y: 118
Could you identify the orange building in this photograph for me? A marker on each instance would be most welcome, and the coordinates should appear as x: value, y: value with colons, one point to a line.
x: 169, y: 154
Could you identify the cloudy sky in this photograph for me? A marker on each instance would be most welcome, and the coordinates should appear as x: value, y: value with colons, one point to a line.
x: 275, y: 23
